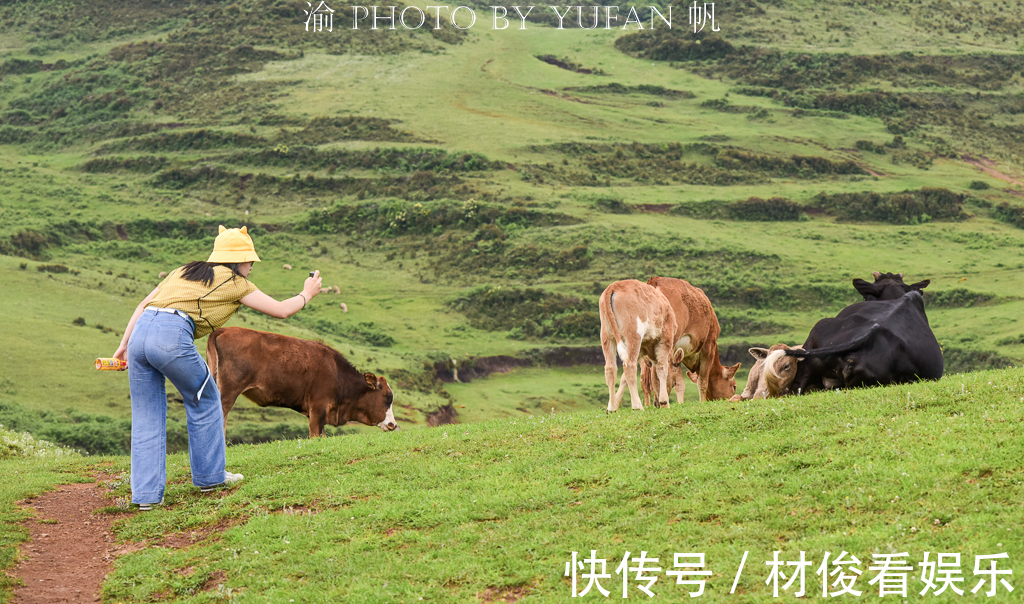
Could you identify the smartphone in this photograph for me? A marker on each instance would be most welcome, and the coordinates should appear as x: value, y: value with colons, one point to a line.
x: 312, y: 273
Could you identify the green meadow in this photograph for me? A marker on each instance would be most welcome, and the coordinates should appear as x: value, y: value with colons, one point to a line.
x: 492, y: 511
x: 467, y: 194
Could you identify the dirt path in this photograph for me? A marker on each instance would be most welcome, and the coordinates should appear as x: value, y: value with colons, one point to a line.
x: 66, y: 560
x: 986, y: 165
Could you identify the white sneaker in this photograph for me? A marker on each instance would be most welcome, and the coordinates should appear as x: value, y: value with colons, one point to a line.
x: 230, y: 480
x: 145, y: 507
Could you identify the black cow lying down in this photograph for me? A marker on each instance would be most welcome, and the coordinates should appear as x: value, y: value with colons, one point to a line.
x: 869, y: 343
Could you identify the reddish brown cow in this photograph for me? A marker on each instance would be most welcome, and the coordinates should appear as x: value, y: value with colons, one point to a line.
x: 272, y: 370
x: 696, y: 337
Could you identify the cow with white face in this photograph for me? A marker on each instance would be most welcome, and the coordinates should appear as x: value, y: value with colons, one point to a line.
x: 772, y: 373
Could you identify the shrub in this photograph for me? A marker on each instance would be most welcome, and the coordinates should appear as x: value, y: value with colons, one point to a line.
x: 1012, y: 215
x: 954, y: 298
x: 960, y: 360
x: 978, y: 185
x: 612, y: 205
x: 747, y: 324
x: 908, y: 207
x: 91, y: 434
x: 403, y: 217
x: 13, y: 444
x: 528, y: 313
x: 870, y: 146
x: 754, y: 209
x: 367, y: 333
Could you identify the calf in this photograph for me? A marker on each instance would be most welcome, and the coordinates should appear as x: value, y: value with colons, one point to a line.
x: 771, y: 374
x: 635, y: 318
x: 272, y: 370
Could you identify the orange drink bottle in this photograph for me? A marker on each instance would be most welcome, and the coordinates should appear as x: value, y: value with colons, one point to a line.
x: 110, y: 364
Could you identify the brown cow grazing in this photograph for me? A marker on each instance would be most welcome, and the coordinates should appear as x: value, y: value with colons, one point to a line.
x: 771, y: 374
x: 696, y: 337
x: 635, y: 319
x: 272, y: 370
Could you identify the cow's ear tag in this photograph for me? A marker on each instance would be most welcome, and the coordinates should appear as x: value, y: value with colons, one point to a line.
x: 371, y: 380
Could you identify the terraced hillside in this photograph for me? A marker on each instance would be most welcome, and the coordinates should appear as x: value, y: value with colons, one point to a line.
x: 470, y: 192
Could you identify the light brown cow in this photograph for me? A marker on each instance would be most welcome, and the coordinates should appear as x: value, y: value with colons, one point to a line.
x: 272, y: 370
x: 636, y: 319
x: 771, y: 374
x: 696, y: 338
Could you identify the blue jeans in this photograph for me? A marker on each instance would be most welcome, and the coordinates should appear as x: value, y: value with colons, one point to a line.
x: 160, y: 347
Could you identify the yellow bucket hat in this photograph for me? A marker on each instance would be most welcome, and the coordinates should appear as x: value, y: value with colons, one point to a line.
x: 233, y: 246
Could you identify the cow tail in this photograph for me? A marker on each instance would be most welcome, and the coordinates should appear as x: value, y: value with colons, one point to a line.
x: 608, y: 312
x: 211, y: 354
x: 841, y: 349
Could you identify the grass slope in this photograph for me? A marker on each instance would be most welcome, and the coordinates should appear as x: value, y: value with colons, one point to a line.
x: 466, y: 513
x: 414, y: 170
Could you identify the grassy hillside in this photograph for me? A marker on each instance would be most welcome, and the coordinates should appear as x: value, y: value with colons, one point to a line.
x: 492, y: 511
x: 470, y: 194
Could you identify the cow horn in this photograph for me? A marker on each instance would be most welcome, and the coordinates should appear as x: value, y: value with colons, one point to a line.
x: 371, y: 380
x: 877, y: 275
x: 900, y: 275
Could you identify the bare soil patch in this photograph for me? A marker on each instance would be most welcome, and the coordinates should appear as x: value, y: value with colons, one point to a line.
x: 987, y: 166
x: 506, y: 594
x: 70, y: 550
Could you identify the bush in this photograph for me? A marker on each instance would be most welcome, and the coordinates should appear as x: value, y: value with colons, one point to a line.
x: 954, y: 298
x: 13, y: 444
x: 754, y: 209
x: 367, y: 333
x: 908, y: 207
x: 91, y: 434
x: 960, y: 360
x: 1012, y: 215
x: 528, y: 313
x: 612, y: 205
x: 870, y: 146
x: 747, y: 324
x: 978, y: 185
x: 403, y: 217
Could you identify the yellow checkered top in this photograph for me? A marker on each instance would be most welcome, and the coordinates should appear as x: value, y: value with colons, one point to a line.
x: 210, y: 306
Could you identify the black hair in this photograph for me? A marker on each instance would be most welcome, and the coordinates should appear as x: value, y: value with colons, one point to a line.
x: 202, y: 272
